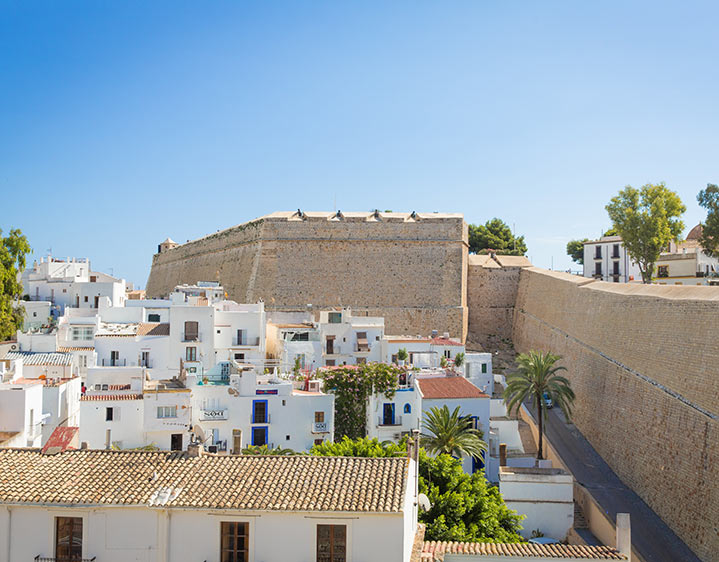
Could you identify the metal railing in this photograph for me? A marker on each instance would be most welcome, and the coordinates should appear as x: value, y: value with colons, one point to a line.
x: 249, y: 342
x: 397, y: 420
x: 191, y: 337
x: 114, y: 362
x: 267, y: 419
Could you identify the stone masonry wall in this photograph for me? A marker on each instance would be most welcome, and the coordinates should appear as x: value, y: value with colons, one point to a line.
x: 491, y: 294
x: 410, y: 271
x: 643, y: 363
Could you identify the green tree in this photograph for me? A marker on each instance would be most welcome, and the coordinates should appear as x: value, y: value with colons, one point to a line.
x: 402, y: 354
x: 575, y: 250
x: 709, y: 199
x: 352, y: 385
x: 459, y: 359
x: 451, y: 434
x: 647, y: 219
x: 495, y: 235
x: 13, y: 250
x: 465, y: 507
x: 536, y: 376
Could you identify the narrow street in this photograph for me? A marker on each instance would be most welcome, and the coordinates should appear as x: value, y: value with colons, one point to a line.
x: 651, y: 537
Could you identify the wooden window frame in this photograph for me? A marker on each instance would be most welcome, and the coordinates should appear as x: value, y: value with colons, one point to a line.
x: 69, y: 556
x: 226, y: 531
x: 345, y: 556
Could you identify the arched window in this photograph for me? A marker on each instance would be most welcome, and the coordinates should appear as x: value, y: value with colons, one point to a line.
x: 407, y: 409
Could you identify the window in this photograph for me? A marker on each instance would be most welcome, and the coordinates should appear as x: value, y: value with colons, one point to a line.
x: 166, y: 412
x: 191, y: 354
x: 301, y: 336
x: 597, y: 252
x: 153, y: 317
x: 241, y: 337
x: 330, y: 345
x: 93, y: 278
x: 34, y: 314
x: 615, y: 251
x: 615, y: 268
x: 287, y: 437
x: 330, y: 363
x: 108, y: 414
x: 259, y: 436
x: 331, y: 543
x: 407, y: 409
x: 85, y: 298
x: 484, y: 367
x: 598, y: 268
x: 447, y: 354
x: 176, y: 442
x: 663, y: 271
x: 239, y: 356
x: 319, y: 441
x: 68, y: 538
x: 361, y: 360
x: 81, y: 333
x: 334, y: 317
x: 259, y: 411
x: 388, y: 414
x: 319, y: 417
x: 114, y: 358
x: 233, y: 542
x: 191, y: 331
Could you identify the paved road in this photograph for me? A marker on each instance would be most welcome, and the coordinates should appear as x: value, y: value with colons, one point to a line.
x: 651, y: 537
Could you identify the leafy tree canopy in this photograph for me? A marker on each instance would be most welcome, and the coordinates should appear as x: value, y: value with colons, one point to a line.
x: 709, y: 199
x: 13, y: 250
x: 265, y: 450
x: 352, y: 385
x: 647, y: 219
x: 464, y: 507
x: 495, y: 235
x: 575, y: 250
x: 451, y: 433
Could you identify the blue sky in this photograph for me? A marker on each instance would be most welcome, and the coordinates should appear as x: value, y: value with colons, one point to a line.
x: 122, y: 123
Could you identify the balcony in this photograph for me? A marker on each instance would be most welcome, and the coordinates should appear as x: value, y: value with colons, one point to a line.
x: 320, y: 427
x: 218, y: 446
x: 114, y: 362
x: 191, y: 337
x: 260, y: 419
x: 381, y: 421
x: 245, y: 342
x: 34, y: 431
x: 147, y: 364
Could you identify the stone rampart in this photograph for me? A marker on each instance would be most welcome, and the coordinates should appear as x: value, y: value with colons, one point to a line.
x: 643, y: 363
x: 411, y: 269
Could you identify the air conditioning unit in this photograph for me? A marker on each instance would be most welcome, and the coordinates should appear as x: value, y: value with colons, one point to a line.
x: 212, y: 449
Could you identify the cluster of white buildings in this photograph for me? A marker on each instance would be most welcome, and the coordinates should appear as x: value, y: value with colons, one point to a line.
x: 685, y: 263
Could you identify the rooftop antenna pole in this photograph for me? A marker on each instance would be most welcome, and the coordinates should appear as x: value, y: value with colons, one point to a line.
x: 335, y: 204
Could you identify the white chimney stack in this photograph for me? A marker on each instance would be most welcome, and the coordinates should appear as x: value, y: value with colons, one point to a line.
x: 624, y: 535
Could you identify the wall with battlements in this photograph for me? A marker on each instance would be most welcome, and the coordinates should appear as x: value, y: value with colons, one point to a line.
x: 411, y: 269
x: 643, y: 363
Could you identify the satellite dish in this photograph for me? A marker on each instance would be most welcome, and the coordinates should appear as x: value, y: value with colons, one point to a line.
x: 198, y: 431
x: 423, y: 502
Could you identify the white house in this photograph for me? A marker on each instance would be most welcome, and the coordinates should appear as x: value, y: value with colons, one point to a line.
x: 606, y: 259
x: 70, y: 283
x: 36, y: 314
x: 20, y: 409
x: 422, y: 352
x: 348, y: 339
x: 116, y: 506
x: 390, y: 419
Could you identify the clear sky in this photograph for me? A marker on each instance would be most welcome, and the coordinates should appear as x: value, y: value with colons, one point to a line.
x: 122, y: 123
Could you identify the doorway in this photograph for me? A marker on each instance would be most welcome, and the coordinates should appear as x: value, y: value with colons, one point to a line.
x: 176, y: 442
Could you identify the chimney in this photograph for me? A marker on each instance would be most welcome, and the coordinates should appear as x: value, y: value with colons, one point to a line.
x: 195, y: 449
x: 624, y: 535
x: 502, y: 454
x: 84, y: 446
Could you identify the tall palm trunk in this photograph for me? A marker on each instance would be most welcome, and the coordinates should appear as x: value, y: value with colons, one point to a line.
x: 540, y: 424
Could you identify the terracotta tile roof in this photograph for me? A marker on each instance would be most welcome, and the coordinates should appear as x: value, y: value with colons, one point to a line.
x: 109, y: 397
x: 32, y: 358
x: 62, y: 438
x: 75, y: 348
x: 435, y: 550
x: 153, y: 329
x: 244, y: 482
x: 449, y: 387
x: 118, y: 387
x: 446, y: 341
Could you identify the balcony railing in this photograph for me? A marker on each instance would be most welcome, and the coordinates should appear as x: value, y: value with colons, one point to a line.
x: 260, y: 419
x: 245, y: 342
x: 191, y: 337
x: 147, y: 364
x: 39, y: 558
x: 389, y: 422
x: 114, y: 362
x: 34, y: 431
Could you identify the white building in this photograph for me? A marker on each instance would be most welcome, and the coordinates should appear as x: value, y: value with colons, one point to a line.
x: 116, y: 506
x: 422, y: 352
x: 20, y: 407
x: 686, y: 263
x: 606, y: 259
x: 70, y: 283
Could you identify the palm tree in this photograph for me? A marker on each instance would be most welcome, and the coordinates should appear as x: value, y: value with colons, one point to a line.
x: 536, y: 376
x: 452, y: 434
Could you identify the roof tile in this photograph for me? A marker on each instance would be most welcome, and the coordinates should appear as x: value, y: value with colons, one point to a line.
x: 435, y: 550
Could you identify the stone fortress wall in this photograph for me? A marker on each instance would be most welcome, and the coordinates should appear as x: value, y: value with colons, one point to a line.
x: 643, y: 361
x: 409, y: 268
x: 644, y: 364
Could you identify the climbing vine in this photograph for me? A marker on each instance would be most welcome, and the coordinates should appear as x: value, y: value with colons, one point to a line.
x: 352, y: 386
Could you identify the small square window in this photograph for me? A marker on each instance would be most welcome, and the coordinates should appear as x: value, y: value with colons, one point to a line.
x: 319, y: 417
x: 287, y: 437
x: 218, y: 331
x: 284, y: 402
x: 85, y: 299
x: 319, y: 441
x: 108, y: 414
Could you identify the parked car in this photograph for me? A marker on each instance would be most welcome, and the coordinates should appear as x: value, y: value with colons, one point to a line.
x: 548, y: 401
